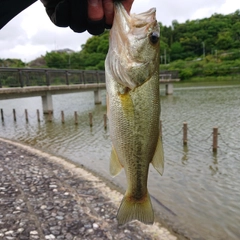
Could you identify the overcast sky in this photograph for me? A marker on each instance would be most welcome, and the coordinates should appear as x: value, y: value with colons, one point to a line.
x: 31, y: 33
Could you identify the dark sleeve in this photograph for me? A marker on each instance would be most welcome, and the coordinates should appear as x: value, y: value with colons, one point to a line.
x: 10, y: 8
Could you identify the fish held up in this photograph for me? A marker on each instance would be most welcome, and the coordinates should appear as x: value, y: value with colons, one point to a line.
x: 133, y: 107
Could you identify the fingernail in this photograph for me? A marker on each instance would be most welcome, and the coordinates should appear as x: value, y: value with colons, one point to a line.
x: 94, y: 2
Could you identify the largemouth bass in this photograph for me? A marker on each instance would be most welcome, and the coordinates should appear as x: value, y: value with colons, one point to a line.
x: 133, y: 106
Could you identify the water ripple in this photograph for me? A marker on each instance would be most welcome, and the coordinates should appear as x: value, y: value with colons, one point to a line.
x: 198, y: 195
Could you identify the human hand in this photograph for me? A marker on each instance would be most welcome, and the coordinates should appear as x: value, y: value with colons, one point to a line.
x: 81, y: 15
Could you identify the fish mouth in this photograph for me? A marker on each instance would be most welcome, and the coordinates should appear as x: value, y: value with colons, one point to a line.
x: 131, y: 56
x: 145, y: 18
x: 135, y: 23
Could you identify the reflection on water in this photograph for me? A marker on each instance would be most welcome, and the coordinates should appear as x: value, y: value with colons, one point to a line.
x: 199, y: 192
x: 185, y: 155
x: 214, y: 166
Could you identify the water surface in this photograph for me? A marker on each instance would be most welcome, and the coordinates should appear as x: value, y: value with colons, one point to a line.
x: 199, y: 192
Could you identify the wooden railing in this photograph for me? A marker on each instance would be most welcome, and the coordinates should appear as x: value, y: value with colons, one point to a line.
x: 22, y: 77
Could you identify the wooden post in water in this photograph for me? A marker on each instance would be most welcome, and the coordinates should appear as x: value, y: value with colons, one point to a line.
x: 26, y: 115
x: 90, y: 119
x: 76, y: 117
x: 105, y: 120
x: 160, y: 128
x: 14, y: 115
x: 62, y: 116
x: 2, y: 116
x: 50, y: 116
x: 38, y: 115
x: 215, y: 139
x: 185, y: 134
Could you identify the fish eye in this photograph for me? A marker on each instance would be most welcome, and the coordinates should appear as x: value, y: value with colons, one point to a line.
x: 154, y: 37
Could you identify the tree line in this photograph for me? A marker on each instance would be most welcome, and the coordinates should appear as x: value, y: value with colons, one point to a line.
x: 193, y: 47
x: 201, y: 37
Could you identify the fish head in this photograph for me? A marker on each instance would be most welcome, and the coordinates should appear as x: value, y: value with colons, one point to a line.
x: 133, y: 55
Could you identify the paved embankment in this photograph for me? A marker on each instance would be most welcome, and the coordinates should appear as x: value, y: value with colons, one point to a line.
x: 46, y: 197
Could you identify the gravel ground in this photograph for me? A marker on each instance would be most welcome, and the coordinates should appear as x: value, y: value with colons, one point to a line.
x: 46, y: 197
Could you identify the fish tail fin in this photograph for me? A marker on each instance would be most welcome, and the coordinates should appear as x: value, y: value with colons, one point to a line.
x: 140, y: 210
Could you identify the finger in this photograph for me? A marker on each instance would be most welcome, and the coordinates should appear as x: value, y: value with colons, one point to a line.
x: 96, y: 21
x: 108, y: 11
x: 61, y: 16
x: 78, y: 18
x: 95, y: 10
x: 96, y: 27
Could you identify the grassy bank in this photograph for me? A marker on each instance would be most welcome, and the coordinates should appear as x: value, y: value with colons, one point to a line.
x: 233, y: 78
x: 208, y: 81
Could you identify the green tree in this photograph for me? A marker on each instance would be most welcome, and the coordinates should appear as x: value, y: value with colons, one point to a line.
x: 97, y: 44
x: 103, y: 46
x: 185, y: 73
x: 224, y: 40
x: 57, y: 59
x: 12, y: 62
x: 236, y: 34
x: 177, y: 51
x: 93, y: 61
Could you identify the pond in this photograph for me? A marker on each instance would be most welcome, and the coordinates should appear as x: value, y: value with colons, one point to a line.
x: 199, y: 192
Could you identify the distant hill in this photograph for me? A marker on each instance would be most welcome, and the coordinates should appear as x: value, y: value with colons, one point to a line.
x: 213, y: 40
x: 200, y: 37
x: 11, y: 62
x: 37, y: 63
x: 65, y: 50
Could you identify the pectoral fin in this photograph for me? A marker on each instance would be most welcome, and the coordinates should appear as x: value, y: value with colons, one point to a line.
x: 158, y: 158
x: 115, y: 165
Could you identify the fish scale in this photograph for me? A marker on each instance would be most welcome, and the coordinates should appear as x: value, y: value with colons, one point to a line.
x: 133, y: 103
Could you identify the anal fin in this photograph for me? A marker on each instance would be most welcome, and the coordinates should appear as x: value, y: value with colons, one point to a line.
x: 158, y: 158
x: 115, y: 165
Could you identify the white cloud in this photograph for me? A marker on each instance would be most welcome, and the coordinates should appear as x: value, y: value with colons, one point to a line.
x: 229, y: 6
x: 31, y: 33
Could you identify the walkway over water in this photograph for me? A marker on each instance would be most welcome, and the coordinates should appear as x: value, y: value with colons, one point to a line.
x: 29, y: 82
